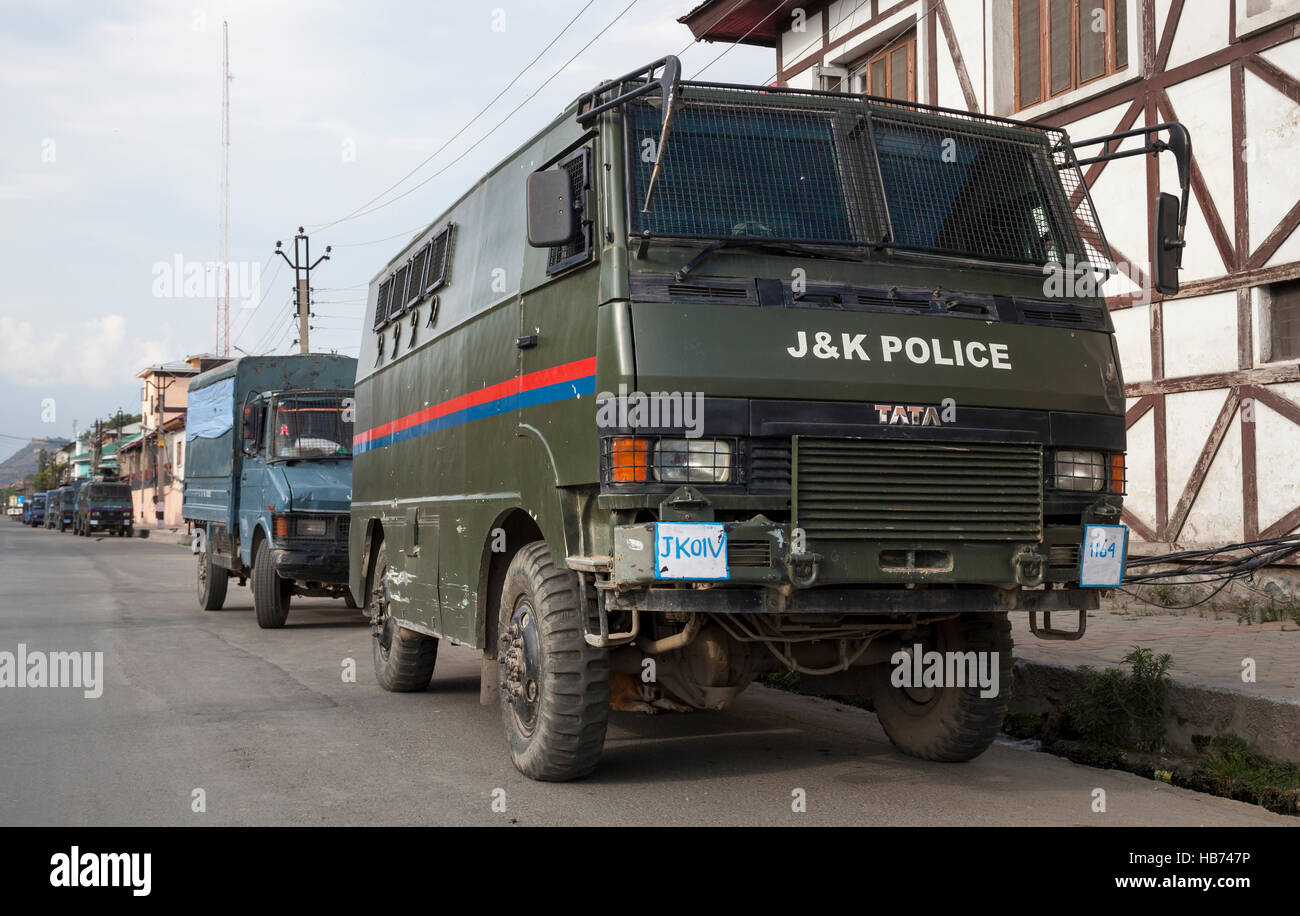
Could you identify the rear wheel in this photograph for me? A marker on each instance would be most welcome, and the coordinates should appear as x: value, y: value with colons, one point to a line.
x: 213, y: 580
x: 404, y: 659
x: 271, y: 593
x: 949, y: 723
x: 554, y: 686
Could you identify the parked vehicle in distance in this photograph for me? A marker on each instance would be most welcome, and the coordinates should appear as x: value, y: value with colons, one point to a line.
x: 103, y: 506
x: 727, y: 380
x: 67, y: 500
x: 268, y: 479
x: 34, y: 511
x: 51, y: 519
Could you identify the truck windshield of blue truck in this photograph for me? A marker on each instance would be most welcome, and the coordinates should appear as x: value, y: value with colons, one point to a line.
x: 311, y: 427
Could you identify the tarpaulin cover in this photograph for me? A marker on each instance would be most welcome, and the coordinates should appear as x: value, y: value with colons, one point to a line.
x: 211, y: 411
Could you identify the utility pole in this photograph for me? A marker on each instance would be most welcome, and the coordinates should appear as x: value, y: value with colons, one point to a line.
x: 95, y: 455
x: 302, y: 267
x: 223, y: 289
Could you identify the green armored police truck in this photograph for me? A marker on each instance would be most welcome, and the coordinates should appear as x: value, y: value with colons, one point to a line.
x: 707, y: 381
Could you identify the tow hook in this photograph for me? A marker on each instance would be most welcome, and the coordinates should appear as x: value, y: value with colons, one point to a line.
x: 1029, y: 567
x: 803, y: 568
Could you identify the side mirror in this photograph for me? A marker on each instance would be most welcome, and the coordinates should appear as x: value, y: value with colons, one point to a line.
x: 1166, y: 245
x: 552, y: 219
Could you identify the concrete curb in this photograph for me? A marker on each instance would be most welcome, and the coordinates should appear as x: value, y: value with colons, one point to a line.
x: 1271, y: 725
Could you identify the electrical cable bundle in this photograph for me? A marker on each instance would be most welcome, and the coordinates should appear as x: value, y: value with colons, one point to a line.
x: 1214, y: 564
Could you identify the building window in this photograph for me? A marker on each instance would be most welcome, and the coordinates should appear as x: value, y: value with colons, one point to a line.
x: 1064, y: 44
x: 890, y: 72
x: 1283, y: 321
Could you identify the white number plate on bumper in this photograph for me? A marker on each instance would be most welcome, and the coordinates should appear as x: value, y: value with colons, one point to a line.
x: 690, y: 550
x: 1102, y: 563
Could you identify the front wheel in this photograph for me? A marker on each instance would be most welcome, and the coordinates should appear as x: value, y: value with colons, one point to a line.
x: 404, y: 659
x: 554, y: 686
x: 949, y: 722
x: 271, y: 593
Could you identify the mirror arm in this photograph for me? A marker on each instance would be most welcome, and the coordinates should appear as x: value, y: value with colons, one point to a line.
x: 1179, y: 143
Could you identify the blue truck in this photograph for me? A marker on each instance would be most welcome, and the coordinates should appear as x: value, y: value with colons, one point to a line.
x: 62, y: 508
x: 268, y: 479
x: 34, y: 512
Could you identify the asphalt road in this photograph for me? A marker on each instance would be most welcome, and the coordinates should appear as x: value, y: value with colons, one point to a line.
x: 265, y: 724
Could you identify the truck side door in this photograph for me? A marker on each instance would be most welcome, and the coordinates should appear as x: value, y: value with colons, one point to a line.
x: 249, y: 492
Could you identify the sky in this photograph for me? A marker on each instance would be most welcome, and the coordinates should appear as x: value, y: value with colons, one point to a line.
x: 110, y: 163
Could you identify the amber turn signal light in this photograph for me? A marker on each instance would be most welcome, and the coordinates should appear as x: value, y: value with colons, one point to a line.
x: 1117, y: 468
x: 630, y: 459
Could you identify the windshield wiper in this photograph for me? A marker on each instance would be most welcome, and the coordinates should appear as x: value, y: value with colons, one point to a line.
x: 772, y: 247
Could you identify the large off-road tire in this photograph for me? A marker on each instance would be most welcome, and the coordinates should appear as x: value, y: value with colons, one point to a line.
x: 404, y: 659
x: 271, y: 594
x: 554, y: 686
x: 213, y: 580
x: 950, y: 724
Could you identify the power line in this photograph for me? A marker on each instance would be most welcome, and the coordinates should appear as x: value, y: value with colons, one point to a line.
x: 498, y: 125
x: 467, y: 125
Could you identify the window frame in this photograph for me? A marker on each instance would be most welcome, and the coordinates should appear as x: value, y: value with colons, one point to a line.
x: 586, y: 224
x: 861, y: 69
x: 1110, y: 68
x: 1269, y: 352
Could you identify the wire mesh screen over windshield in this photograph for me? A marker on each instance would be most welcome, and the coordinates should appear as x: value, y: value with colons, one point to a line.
x: 837, y: 169
x: 753, y: 171
x: 974, y: 194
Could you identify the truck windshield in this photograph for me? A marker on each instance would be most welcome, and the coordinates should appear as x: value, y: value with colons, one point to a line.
x: 311, y: 426
x: 109, y: 495
x: 847, y: 171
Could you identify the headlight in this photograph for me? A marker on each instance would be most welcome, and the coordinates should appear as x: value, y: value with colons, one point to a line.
x: 1081, y: 471
x: 311, y: 527
x: 692, y: 460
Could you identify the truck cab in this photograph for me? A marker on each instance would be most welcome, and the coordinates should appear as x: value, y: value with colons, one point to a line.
x: 103, y: 507
x: 67, y: 502
x: 52, y: 514
x: 34, y: 511
x: 268, y: 479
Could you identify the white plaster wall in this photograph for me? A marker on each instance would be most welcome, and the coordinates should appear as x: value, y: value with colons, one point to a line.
x: 1277, y: 443
x: 1133, y: 338
x: 1216, y: 516
x: 1141, y: 471
x: 795, y: 46
x: 1200, y: 334
x: 1272, y: 121
x: 1202, y: 30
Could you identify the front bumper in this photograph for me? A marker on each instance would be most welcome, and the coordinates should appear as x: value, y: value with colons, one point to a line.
x: 762, y: 552
x: 326, y: 564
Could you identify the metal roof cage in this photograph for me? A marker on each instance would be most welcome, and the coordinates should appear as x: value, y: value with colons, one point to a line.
x: 766, y: 164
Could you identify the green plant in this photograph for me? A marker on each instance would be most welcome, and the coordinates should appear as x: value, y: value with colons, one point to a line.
x: 1232, y: 768
x: 1114, y: 710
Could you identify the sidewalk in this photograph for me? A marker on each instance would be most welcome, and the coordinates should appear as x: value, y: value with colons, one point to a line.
x: 1209, y: 696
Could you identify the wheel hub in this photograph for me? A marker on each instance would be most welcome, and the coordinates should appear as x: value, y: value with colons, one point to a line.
x: 520, y: 654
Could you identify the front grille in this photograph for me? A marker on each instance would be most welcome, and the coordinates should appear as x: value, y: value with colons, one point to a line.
x: 1063, y: 557
x: 864, y: 489
x: 749, y: 553
x: 770, y: 464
